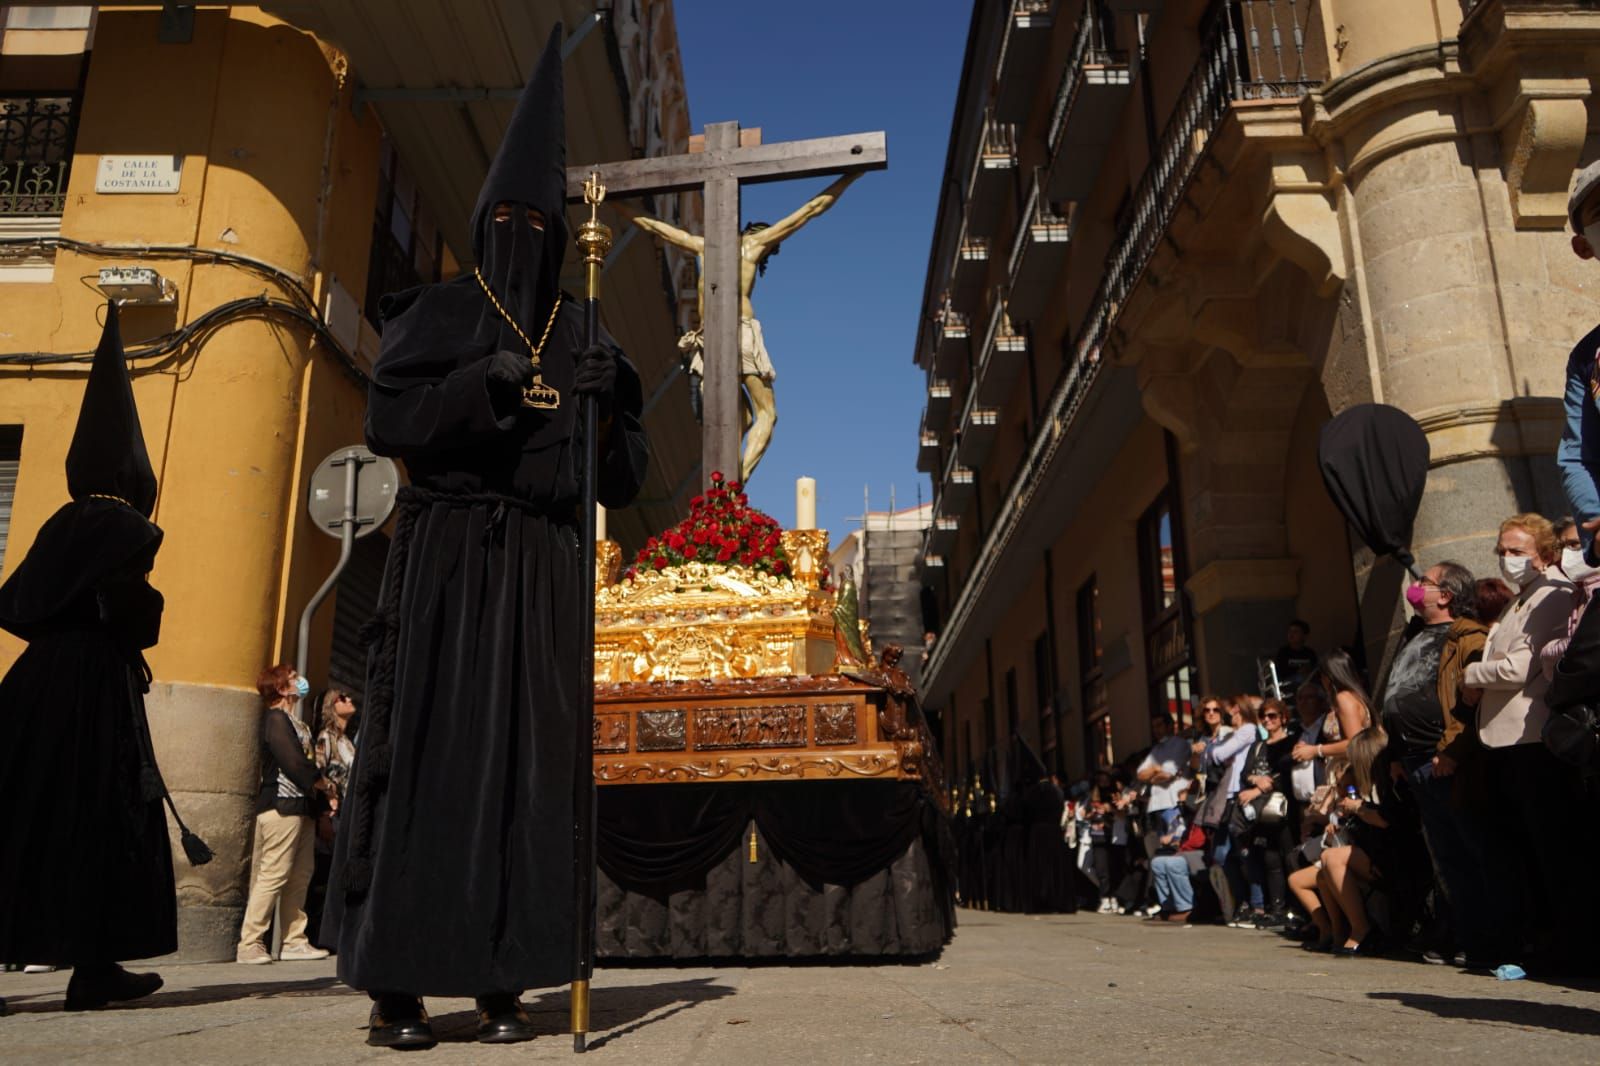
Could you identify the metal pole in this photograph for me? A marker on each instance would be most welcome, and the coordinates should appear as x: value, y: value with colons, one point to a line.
x: 595, y: 240
x: 347, y: 542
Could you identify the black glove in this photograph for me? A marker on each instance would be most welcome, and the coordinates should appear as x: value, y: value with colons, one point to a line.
x: 509, y: 373
x: 597, y: 376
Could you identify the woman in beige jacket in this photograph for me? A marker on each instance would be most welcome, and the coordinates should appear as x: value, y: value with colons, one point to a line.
x: 1536, y: 797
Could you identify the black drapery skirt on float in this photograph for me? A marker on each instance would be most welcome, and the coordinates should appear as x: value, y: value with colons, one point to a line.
x: 470, y: 843
x: 85, y: 863
x: 842, y: 868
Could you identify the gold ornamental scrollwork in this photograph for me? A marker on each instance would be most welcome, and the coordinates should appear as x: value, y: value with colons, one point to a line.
x: 886, y: 764
x: 709, y: 621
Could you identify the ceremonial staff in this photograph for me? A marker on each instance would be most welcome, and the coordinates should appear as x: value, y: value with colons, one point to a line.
x: 594, y: 237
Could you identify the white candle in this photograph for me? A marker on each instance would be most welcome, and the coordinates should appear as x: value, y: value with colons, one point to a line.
x: 599, y: 523
x: 805, y: 503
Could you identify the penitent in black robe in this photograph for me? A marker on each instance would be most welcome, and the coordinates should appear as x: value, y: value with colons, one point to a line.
x: 85, y: 864
x: 453, y: 868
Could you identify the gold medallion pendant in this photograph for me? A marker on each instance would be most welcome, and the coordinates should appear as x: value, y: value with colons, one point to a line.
x: 540, y: 396
x: 536, y: 395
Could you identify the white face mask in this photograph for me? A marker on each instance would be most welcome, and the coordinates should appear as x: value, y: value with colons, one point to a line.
x: 1573, y: 565
x: 1517, y: 570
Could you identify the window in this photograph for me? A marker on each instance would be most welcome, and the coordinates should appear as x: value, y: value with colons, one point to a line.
x: 1044, y: 696
x: 10, y: 460
x: 1091, y: 656
x: 407, y: 248
x: 37, y: 131
x: 1166, y: 623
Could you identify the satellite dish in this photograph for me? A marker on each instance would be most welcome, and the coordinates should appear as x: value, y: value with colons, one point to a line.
x: 376, y: 482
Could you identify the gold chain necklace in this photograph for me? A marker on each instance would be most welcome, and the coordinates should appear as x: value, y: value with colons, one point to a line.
x: 538, y: 394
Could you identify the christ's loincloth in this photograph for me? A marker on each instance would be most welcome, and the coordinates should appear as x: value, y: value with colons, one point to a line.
x: 753, y: 358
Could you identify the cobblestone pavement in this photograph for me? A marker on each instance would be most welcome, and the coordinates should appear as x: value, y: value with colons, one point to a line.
x: 1009, y: 989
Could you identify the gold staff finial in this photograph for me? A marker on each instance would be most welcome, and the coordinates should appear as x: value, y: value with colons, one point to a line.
x: 594, y: 236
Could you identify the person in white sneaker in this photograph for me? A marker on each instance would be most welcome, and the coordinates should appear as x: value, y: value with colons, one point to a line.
x: 282, y: 858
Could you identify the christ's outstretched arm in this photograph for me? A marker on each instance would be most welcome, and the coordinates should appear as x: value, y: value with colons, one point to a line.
x: 667, y: 232
x: 786, y: 227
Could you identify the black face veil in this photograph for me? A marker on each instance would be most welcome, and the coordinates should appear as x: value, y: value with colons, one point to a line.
x: 520, y: 263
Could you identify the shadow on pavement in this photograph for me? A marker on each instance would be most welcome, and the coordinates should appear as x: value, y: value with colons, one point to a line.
x: 193, y: 997
x: 615, y: 1012
x: 1581, y: 1021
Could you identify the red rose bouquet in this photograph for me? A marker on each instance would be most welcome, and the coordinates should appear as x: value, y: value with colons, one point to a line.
x: 722, y: 527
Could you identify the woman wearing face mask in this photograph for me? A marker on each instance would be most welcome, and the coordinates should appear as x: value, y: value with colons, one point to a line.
x: 1584, y: 577
x: 1535, y: 794
x: 282, y: 857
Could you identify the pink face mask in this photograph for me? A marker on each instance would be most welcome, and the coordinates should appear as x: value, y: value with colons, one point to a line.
x: 1416, y: 594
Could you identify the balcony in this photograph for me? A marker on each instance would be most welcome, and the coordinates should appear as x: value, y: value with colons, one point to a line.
x: 938, y: 410
x: 971, y: 270
x: 1004, y: 349
x: 942, y: 534
x: 1038, y: 255
x: 979, y: 426
x: 949, y: 340
x: 1023, y: 51
x: 957, y: 490
x: 928, y: 450
x: 37, y: 131
x: 990, y: 179
x: 1089, y: 103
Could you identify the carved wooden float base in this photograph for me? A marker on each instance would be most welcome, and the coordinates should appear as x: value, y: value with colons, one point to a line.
x: 792, y: 728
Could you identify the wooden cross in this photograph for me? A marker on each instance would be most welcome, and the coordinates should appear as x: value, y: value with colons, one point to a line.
x: 719, y: 170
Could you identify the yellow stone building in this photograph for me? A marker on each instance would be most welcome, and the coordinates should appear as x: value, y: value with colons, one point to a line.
x: 279, y: 167
x: 1173, y: 238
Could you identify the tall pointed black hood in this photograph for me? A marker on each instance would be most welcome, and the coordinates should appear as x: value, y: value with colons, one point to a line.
x: 522, y: 264
x: 107, y: 458
x: 105, y: 531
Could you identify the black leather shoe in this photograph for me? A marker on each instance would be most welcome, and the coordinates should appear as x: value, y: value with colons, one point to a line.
x: 399, y: 1021
x: 93, y: 987
x: 501, y: 1020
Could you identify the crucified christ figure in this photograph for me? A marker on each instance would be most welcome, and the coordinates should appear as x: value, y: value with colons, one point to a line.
x: 758, y: 242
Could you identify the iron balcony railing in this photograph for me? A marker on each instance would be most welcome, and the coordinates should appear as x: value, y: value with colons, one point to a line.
x: 1092, y: 45
x: 1242, y: 58
x: 999, y: 144
x: 1252, y: 50
x: 37, y: 131
x: 950, y: 323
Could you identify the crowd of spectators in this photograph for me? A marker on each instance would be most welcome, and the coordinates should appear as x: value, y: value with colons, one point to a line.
x: 1431, y: 817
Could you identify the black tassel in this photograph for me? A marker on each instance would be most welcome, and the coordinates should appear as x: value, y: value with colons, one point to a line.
x: 197, y: 850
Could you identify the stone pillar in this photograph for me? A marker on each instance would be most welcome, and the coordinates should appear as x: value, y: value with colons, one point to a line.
x: 1471, y: 298
x: 207, y: 744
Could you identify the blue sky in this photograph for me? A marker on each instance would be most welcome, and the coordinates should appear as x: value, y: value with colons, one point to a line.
x: 839, y: 305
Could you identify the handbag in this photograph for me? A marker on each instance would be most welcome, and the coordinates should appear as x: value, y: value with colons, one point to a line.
x: 1271, y: 809
x: 1573, y: 734
x: 1214, y: 809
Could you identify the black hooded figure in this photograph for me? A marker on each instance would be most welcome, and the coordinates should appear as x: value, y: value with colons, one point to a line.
x: 452, y: 872
x: 85, y: 866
